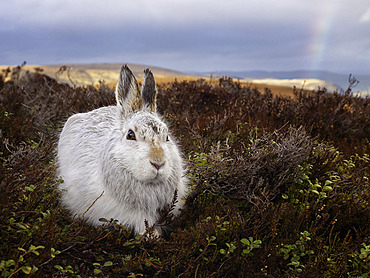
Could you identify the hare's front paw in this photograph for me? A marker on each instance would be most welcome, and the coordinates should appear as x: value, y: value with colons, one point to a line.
x: 151, y: 234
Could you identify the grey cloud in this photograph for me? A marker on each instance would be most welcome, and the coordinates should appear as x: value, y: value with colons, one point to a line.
x: 185, y: 35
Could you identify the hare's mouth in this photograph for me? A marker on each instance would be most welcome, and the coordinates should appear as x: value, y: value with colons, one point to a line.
x: 159, y: 176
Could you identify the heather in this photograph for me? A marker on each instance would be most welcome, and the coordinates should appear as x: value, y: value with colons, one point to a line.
x: 279, y: 185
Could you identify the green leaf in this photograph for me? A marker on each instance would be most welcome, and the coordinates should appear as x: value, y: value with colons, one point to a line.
x: 33, y: 248
x: 245, y: 241
x: 5, y: 264
x: 26, y: 269
x: 58, y: 267
x: 103, y: 220
x: 328, y: 188
x: 328, y: 182
x: 293, y: 263
x: 317, y: 185
x: 305, y: 234
x: 232, y: 248
x: 128, y: 243
x: 30, y: 188
x: 109, y: 263
x: 54, y: 252
x: 295, y: 259
x: 316, y: 192
x: 257, y: 242
x: 97, y: 271
x: 305, y: 177
x: 363, y: 256
x: 323, y: 195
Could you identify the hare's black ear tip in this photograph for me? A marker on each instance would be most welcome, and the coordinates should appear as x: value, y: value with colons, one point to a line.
x: 147, y: 71
x: 125, y: 70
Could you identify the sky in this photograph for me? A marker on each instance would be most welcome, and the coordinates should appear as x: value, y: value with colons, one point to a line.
x: 190, y: 35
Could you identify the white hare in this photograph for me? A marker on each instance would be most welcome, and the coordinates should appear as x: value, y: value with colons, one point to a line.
x: 125, y: 155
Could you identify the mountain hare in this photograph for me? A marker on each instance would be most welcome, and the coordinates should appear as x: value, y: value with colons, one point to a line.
x: 120, y: 161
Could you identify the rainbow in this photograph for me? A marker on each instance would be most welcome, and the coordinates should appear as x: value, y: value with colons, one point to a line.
x: 321, y: 31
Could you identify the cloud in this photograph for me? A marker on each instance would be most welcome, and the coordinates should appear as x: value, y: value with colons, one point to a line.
x: 183, y: 34
x: 366, y: 16
x: 164, y: 13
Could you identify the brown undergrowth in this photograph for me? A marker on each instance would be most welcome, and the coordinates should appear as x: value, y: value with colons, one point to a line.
x: 280, y: 186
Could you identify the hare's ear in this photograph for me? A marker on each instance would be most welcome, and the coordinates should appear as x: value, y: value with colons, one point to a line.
x: 149, y: 91
x: 127, y: 92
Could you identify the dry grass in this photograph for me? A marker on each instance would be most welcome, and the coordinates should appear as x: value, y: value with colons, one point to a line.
x: 86, y: 77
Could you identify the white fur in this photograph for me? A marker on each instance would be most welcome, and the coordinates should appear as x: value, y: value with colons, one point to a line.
x: 95, y: 156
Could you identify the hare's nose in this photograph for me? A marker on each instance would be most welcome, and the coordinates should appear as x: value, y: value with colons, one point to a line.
x: 156, y: 165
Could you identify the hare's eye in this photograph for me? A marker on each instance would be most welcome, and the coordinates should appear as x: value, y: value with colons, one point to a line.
x: 167, y: 138
x: 131, y: 135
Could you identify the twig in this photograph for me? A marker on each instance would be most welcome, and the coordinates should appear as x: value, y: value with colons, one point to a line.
x: 92, y: 204
x: 49, y: 260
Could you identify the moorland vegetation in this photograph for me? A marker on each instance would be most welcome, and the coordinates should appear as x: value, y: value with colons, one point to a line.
x: 280, y: 185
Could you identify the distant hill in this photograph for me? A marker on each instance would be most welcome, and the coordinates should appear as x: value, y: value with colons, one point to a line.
x: 340, y: 81
x: 89, y: 74
x: 280, y: 82
x: 137, y: 69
